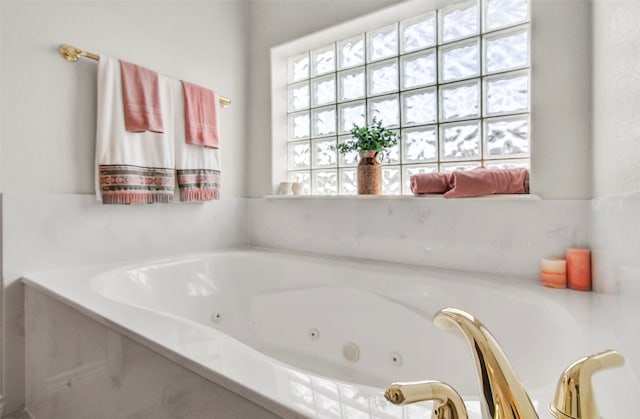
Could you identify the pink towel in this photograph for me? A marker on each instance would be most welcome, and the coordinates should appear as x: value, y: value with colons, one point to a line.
x: 430, y: 183
x: 201, y: 119
x: 141, y: 99
x: 482, y: 181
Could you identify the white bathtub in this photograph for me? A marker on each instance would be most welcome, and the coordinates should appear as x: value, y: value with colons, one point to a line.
x: 319, y: 337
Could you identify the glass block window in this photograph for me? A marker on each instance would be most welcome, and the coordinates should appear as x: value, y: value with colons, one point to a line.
x: 454, y: 83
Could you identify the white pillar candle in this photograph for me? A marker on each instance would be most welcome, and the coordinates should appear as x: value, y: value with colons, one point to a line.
x: 554, y: 273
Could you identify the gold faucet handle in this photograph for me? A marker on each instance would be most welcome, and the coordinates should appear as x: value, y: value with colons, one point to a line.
x: 574, y: 395
x: 606, y: 359
x: 447, y: 403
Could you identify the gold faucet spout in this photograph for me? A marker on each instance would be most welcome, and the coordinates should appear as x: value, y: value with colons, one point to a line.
x: 503, y: 395
x: 447, y: 403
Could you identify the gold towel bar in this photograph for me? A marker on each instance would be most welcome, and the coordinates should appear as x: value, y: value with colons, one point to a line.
x: 70, y: 53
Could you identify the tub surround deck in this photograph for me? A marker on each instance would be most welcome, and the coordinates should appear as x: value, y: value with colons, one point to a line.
x: 501, y: 235
x: 44, y: 231
x: 541, y: 330
x: 79, y: 368
x: 52, y: 231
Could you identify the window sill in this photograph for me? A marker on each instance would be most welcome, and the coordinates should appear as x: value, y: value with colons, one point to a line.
x: 504, y: 197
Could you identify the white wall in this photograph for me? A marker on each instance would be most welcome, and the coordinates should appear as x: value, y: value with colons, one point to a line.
x: 1, y: 290
x: 1, y: 86
x: 616, y: 89
x: 48, y: 104
x: 47, y: 134
x: 560, y: 98
x: 503, y: 236
x: 464, y: 234
x: 615, y: 210
x: 47, y: 124
x: 274, y: 22
x: 616, y: 146
x: 49, y: 231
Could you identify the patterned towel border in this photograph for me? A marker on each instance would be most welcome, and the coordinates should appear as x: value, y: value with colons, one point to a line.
x: 199, y: 184
x: 126, y: 184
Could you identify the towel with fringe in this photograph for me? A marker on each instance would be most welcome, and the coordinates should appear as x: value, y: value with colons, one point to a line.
x: 131, y: 167
x: 141, y: 98
x: 198, y: 168
x: 201, y: 116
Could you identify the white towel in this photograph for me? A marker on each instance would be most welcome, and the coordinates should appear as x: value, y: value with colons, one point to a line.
x: 198, y: 167
x: 132, y: 167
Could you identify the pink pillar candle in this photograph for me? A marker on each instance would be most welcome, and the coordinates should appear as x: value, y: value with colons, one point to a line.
x: 579, y: 269
x: 553, y: 273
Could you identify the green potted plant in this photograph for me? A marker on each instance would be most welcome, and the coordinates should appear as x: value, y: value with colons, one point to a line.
x: 370, y: 141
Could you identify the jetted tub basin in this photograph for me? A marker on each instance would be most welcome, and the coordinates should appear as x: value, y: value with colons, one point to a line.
x: 320, y: 337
